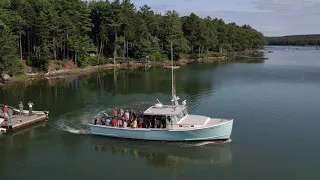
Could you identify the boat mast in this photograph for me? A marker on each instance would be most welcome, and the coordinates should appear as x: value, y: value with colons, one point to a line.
x: 174, y: 97
x: 172, y: 88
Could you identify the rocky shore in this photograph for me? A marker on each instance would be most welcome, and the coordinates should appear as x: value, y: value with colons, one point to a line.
x: 62, y: 73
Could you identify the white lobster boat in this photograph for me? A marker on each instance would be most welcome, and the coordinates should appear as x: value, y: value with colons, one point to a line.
x: 179, y: 125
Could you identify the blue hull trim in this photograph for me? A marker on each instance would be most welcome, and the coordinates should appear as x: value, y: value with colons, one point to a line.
x: 213, y: 133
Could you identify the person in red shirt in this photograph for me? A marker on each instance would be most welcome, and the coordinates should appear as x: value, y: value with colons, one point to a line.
x: 140, y: 124
x: 5, y: 109
x: 5, y: 112
x: 114, y: 122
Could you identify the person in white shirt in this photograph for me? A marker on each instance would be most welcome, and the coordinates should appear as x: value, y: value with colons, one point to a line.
x: 21, y: 108
x: 30, y: 104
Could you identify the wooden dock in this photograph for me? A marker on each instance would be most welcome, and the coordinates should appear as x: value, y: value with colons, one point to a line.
x: 21, y: 121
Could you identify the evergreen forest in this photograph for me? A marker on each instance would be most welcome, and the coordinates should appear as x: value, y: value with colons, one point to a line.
x: 34, y: 32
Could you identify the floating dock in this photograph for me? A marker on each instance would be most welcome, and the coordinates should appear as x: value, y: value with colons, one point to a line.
x: 21, y: 121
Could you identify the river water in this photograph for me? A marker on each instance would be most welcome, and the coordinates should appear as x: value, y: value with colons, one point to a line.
x: 275, y: 105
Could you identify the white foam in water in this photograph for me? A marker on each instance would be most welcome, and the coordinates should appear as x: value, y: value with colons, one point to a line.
x: 76, y: 123
x: 203, y: 143
x: 75, y: 131
x: 79, y: 123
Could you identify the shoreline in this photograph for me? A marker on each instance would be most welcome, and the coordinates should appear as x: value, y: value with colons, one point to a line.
x: 65, y: 73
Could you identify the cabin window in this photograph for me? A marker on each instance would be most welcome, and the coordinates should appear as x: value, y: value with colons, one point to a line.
x: 174, y: 119
x: 154, y: 121
x: 168, y: 118
x: 180, y: 116
x: 185, y: 112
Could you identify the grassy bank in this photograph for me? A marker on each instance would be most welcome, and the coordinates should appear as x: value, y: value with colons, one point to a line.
x: 69, y: 69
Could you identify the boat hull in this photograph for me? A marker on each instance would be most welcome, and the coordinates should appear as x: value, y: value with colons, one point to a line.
x: 170, y: 67
x: 219, y: 132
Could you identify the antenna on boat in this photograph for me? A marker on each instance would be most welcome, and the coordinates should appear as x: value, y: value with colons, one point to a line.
x: 174, y: 97
x: 172, y: 88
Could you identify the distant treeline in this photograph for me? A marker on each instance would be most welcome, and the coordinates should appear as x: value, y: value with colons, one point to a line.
x: 43, y: 30
x: 295, y: 40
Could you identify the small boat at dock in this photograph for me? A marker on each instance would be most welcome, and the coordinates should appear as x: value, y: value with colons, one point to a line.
x: 171, y: 67
x: 177, y: 124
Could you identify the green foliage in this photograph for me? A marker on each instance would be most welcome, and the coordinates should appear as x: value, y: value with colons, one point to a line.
x: 75, y: 29
x: 41, y: 59
x: 9, y: 62
x: 213, y: 54
x: 93, y: 61
x: 295, y: 40
x: 157, y: 56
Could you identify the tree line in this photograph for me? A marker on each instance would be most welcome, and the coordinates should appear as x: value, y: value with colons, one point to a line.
x: 41, y: 30
x: 295, y: 40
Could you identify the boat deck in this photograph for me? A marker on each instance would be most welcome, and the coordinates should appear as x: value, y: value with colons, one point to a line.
x: 197, y: 120
x: 194, y: 120
x: 216, y: 121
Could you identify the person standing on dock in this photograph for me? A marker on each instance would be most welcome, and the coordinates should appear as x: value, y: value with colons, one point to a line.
x: 30, y: 104
x: 10, y: 113
x: 21, y: 108
x: 5, y: 112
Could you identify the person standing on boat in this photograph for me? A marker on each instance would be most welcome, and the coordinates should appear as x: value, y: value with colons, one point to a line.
x: 157, y: 122
x: 163, y: 122
x: 127, y: 116
x: 124, y: 122
x: 119, y: 122
x: 140, y: 124
x: 134, y: 123
x: 21, y: 108
x: 107, y: 121
x: 30, y: 104
x: 114, y: 113
x: 114, y: 122
x: 121, y: 112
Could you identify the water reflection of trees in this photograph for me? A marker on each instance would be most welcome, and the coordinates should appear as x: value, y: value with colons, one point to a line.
x: 76, y: 92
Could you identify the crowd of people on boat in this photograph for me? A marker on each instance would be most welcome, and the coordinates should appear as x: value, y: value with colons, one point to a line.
x: 130, y: 119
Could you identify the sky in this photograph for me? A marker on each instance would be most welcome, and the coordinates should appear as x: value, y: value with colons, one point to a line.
x: 271, y: 17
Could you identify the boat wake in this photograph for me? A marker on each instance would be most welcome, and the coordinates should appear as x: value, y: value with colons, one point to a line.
x: 73, y: 130
x: 198, y: 144
x: 78, y: 121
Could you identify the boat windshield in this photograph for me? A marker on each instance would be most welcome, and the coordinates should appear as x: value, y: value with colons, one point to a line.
x: 180, y: 116
x: 185, y: 112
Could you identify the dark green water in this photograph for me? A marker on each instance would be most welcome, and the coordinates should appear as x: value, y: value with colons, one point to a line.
x: 275, y: 105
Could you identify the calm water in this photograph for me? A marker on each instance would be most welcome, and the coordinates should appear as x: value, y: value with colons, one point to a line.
x: 275, y: 105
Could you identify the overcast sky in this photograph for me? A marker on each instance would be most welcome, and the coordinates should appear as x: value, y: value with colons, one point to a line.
x: 271, y: 17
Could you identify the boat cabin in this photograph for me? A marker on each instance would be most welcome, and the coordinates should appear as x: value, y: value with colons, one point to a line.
x: 168, y: 116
